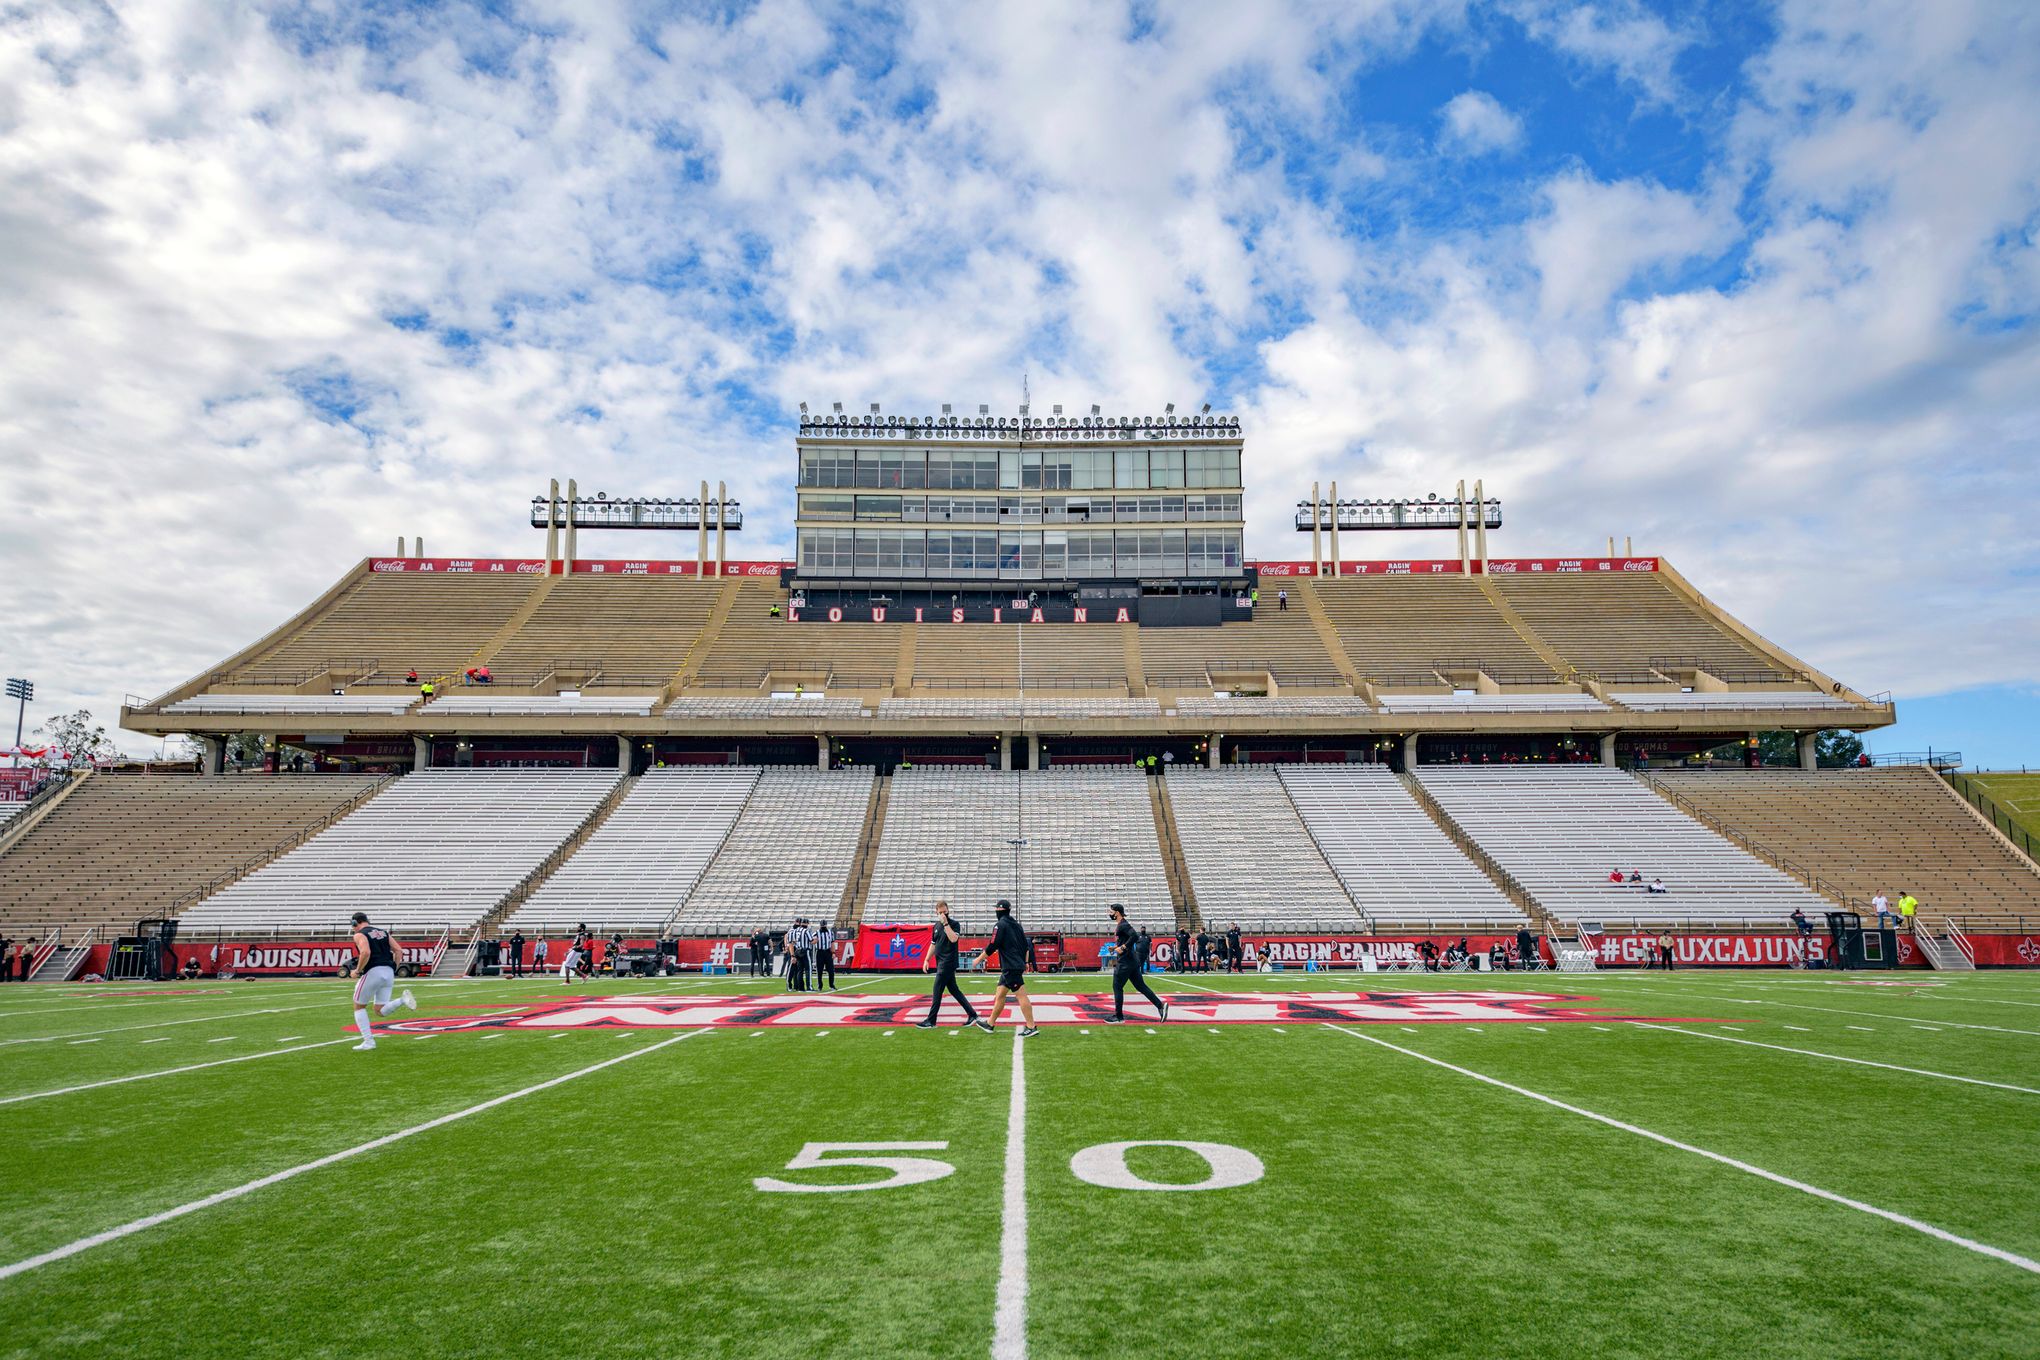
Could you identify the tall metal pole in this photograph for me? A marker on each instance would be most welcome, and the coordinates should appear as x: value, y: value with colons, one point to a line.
x: 722, y: 496
x: 701, y: 550
x: 552, y: 525
x: 1480, y: 524
x: 1461, y: 493
x: 1317, y: 543
x: 573, y: 513
x: 1335, y: 530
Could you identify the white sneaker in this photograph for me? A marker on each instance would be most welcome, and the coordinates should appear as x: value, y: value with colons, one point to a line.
x: 364, y: 1047
x: 409, y: 1000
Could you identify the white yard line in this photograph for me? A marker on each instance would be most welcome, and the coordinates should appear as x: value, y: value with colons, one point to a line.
x: 1865, y: 1015
x: 1836, y: 1057
x: 164, y: 1024
x: 1009, y: 1317
x: 1185, y: 982
x: 84, y: 1244
x: 1941, y: 1234
x: 167, y: 1072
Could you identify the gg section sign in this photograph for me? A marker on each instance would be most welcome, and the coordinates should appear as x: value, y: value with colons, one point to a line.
x: 1232, y: 1008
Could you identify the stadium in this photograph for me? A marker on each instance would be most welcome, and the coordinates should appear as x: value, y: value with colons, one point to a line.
x: 1514, y: 784
x: 1035, y: 744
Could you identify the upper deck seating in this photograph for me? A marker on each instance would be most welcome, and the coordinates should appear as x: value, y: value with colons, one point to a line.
x: 1402, y: 628
x: 1620, y: 623
x: 1512, y: 702
x: 432, y: 623
x: 637, y: 629
x: 1281, y: 642
x: 752, y: 643
x: 1672, y: 701
x: 365, y: 704
x: 485, y: 699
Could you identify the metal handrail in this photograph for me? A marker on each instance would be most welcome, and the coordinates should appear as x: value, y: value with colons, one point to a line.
x: 1994, y: 813
x: 1960, y: 941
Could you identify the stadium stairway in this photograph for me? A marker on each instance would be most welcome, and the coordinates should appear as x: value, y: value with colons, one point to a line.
x: 486, y: 653
x: 1178, y: 871
x: 704, y: 641
x: 1136, y: 668
x: 1503, y: 880
x: 851, y: 913
x: 1559, y: 665
x: 62, y: 964
x: 459, y: 957
x: 1328, y: 633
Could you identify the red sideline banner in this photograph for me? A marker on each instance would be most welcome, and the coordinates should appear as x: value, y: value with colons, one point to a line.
x: 1712, y: 951
x: 286, y: 956
x: 457, y: 566
x: 1401, y: 569
x: 1283, y: 568
x: 892, y: 948
x: 611, y: 567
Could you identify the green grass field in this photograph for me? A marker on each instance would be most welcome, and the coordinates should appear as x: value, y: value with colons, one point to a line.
x: 2017, y: 794
x: 1729, y: 1199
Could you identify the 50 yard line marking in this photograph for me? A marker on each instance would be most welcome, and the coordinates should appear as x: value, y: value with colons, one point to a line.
x: 1942, y: 1234
x: 84, y: 1244
x: 1009, y: 1315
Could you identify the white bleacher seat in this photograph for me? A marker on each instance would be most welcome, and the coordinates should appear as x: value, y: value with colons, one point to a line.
x: 759, y: 707
x: 1257, y: 706
x: 1090, y: 835
x: 481, y: 699
x: 1250, y: 858
x: 1560, y: 829
x: 1396, y: 863
x: 639, y: 865
x: 1050, y: 706
x: 293, y: 703
x: 790, y: 853
x: 1492, y: 703
x: 439, y: 849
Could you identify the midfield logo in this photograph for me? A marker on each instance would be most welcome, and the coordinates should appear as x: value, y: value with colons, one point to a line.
x: 1236, y: 1008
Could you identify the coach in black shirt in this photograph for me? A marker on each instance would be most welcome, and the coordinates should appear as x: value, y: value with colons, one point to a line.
x: 941, y: 960
x: 1129, y: 964
x: 1009, y: 943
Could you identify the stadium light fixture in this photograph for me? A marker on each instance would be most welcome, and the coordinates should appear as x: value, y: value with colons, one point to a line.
x: 21, y: 691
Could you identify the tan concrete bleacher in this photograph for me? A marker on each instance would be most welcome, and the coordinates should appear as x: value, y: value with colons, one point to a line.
x: 634, y: 627
x: 1404, y: 626
x: 1895, y: 830
x: 402, y: 621
x: 122, y: 848
x: 1285, y: 643
x: 1617, y: 623
x: 753, y: 643
x: 974, y: 658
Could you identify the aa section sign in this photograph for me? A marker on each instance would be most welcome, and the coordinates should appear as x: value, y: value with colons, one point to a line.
x: 892, y: 948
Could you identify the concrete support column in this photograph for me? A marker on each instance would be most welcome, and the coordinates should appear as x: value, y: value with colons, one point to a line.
x: 1335, y: 531
x: 1409, y: 753
x: 623, y: 754
x: 1809, y: 748
x: 1006, y: 752
x: 1211, y: 749
x: 421, y: 753
x: 552, y: 525
x: 701, y: 552
x: 213, y: 754
x: 1461, y: 494
x: 1608, y: 749
x: 722, y: 496
x: 1034, y: 750
x: 1317, y: 541
x: 573, y: 542
x: 821, y: 753
x: 1480, y: 523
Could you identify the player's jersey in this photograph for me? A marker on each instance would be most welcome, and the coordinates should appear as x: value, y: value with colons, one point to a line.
x: 380, y: 954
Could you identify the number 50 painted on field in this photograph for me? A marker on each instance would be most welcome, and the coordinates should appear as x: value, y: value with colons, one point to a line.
x: 1103, y: 1165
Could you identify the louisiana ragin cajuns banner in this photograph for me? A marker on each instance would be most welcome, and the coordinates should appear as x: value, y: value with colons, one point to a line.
x: 1050, y: 1008
x: 286, y: 956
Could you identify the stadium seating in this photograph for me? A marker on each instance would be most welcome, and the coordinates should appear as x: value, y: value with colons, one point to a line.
x: 765, y: 709
x: 636, y: 869
x: 121, y: 848
x: 441, y: 848
x: 1090, y: 836
x: 1032, y: 705
x: 1898, y: 830
x: 433, y: 623
x: 1251, y: 861
x: 1675, y: 701
x: 1282, y: 643
x: 1400, y: 628
x: 752, y: 644
x: 790, y: 853
x: 1517, y: 701
x: 1394, y: 861
x: 1257, y: 706
x: 636, y: 629
x: 1560, y: 829
x: 485, y: 699
x: 1621, y: 623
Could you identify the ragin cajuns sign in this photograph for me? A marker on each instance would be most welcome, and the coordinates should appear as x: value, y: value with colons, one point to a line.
x: 285, y: 956
x: 1231, y: 1008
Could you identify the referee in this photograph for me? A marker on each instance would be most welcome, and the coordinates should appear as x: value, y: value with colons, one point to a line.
x: 1127, y: 966
x: 1009, y: 942
x: 825, y: 955
x: 796, y: 956
x: 941, y: 959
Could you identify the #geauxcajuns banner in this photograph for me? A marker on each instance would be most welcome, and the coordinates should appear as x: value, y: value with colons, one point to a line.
x: 1710, y: 951
x: 894, y: 948
x: 813, y: 1009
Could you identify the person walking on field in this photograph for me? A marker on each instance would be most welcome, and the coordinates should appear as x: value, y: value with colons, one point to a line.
x: 1127, y: 965
x: 1009, y: 942
x: 941, y: 960
x: 375, y: 970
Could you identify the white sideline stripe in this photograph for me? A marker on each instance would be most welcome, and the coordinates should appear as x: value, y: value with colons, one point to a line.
x: 168, y: 1071
x: 1182, y: 982
x: 84, y: 1244
x: 1836, y: 1057
x: 164, y: 1024
x: 1982, y: 1248
x: 1009, y: 1317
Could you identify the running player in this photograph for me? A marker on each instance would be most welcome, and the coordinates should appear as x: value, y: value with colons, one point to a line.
x: 1009, y: 942
x: 375, y: 969
x: 1127, y: 964
x: 941, y: 958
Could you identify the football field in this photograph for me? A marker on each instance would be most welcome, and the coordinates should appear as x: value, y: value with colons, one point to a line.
x: 1323, y: 1164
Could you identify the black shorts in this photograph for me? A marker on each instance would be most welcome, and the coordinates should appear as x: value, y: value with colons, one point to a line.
x: 1012, y: 979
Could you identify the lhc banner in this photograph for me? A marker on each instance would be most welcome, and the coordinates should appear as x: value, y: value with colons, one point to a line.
x: 893, y: 948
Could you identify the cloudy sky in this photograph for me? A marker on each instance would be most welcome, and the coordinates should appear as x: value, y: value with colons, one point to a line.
x: 1753, y: 284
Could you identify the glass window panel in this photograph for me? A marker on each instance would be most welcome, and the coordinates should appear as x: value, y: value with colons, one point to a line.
x: 914, y: 466
x: 1165, y: 467
x: 1009, y: 471
x: 1129, y: 469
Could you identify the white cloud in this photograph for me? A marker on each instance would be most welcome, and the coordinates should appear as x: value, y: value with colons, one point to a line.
x: 1476, y: 123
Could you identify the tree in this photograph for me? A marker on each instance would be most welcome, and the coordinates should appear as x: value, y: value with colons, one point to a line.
x: 74, y: 740
x: 1832, y: 749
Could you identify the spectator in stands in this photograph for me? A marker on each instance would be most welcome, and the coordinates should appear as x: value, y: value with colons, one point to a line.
x: 1636, y: 875
x: 773, y: 612
x: 482, y: 676
x: 1657, y: 885
x: 1282, y: 601
x: 411, y: 676
x: 468, y: 678
x: 1882, y: 906
x: 1908, y: 909
x: 1614, y: 875
x: 425, y: 690
x: 1804, y: 926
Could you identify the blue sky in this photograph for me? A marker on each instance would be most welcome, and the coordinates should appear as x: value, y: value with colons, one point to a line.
x: 1750, y: 283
